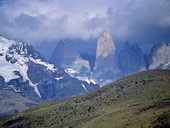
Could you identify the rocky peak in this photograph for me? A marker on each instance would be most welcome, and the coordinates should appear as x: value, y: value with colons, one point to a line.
x: 24, y: 49
x: 106, y: 61
x: 159, y: 56
x: 135, y: 46
x: 21, y: 51
x: 105, y: 45
x: 131, y: 58
x: 64, y: 53
x: 66, y: 56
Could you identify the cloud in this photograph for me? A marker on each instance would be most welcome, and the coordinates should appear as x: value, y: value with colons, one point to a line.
x: 47, y: 20
x: 27, y: 22
x: 141, y: 21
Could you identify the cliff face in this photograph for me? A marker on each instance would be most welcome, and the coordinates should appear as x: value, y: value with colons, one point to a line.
x: 68, y: 58
x: 106, y: 63
x: 64, y: 53
x: 131, y: 59
x: 105, y: 46
x: 159, y: 56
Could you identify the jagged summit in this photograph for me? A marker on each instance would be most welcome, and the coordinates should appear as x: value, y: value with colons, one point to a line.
x: 64, y: 53
x: 66, y: 56
x: 106, y: 34
x: 105, y: 63
x: 159, y: 56
x: 105, y: 45
x: 131, y: 59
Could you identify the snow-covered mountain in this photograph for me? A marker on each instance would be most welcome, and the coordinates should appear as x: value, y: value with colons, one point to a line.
x: 27, y: 73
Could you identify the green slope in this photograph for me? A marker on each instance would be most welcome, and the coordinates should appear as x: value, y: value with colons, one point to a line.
x: 140, y: 100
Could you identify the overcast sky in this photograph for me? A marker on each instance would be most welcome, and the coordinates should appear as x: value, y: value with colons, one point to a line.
x: 36, y: 21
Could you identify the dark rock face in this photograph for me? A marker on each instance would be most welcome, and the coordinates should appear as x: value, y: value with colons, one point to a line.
x: 90, y: 58
x: 159, y: 56
x: 68, y: 58
x: 64, y: 53
x: 131, y: 59
x: 22, y: 88
x: 2, y: 82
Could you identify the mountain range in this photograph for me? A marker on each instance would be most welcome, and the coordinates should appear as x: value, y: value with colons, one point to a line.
x: 111, y: 62
x: 26, y: 75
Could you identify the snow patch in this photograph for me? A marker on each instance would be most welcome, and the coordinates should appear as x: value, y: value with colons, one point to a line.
x: 23, y: 71
x: 84, y: 87
x: 70, y: 71
x: 7, y: 69
x: 86, y: 80
x: 18, y: 91
x: 47, y: 65
x: 59, y: 78
x: 166, y: 66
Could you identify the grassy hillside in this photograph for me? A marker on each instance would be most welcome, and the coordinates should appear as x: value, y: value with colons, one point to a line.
x: 140, y: 100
